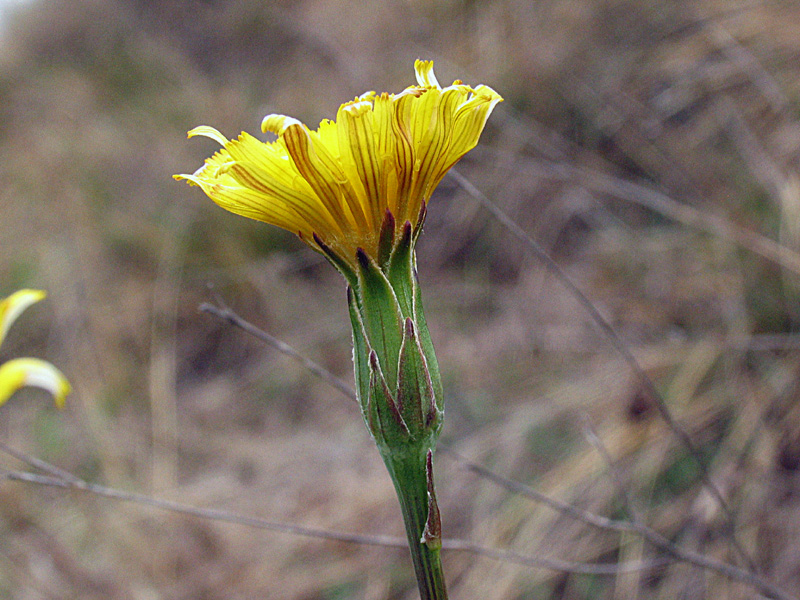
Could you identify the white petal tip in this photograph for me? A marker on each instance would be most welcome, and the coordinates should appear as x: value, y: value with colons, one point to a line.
x: 13, y: 306
x: 22, y: 372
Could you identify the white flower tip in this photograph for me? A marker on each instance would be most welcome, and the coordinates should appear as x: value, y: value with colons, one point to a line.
x: 22, y: 372
x: 13, y: 306
x: 209, y: 132
x: 425, y: 76
x: 357, y: 107
x: 278, y: 124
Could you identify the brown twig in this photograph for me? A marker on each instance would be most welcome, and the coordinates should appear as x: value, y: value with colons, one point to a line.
x: 565, y: 508
x: 748, y: 64
x: 76, y: 484
x: 748, y: 577
x: 229, y: 316
x: 653, y: 537
x: 745, y: 576
x: 611, y: 335
x: 670, y: 208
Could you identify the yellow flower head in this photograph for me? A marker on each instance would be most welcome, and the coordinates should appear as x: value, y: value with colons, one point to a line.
x: 21, y: 372
x: 334, y: 186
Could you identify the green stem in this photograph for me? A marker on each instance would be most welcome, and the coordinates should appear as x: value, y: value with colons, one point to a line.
x: 410, y: 476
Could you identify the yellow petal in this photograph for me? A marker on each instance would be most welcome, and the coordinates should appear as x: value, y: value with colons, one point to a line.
x: 277, y: 124
x: 21, y: 372
x: 358, y: 156
x: 209, y: 132
x: 424, y: 72
x: 14, y: 305
x: 383, y: 152
x: 320, y: 171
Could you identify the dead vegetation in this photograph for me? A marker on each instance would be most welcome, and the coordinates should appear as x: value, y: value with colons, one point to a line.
x: 651, y: 148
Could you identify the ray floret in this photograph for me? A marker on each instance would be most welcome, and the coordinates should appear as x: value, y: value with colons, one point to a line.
x: 22, y: 372
x: 383, y: 152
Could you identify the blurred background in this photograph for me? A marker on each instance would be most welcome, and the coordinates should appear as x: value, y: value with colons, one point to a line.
x: 650, y: 147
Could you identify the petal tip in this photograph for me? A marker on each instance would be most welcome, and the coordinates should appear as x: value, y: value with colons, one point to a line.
x: 425, y: 75
x: 21, y: 372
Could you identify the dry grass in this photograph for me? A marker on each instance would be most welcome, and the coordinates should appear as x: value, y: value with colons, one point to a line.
x: 697, y: 102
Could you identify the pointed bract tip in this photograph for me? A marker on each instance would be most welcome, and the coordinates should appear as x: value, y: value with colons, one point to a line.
x: 373, y: 360
x: 432, y: 533
x: 408, y: 229
x: 388, y: 217
x: 386, y: 238
x: 409, y: 327
x: 423, y: 211
x: 362, y: 257
x: 387, y: 227
x: 433, y: 415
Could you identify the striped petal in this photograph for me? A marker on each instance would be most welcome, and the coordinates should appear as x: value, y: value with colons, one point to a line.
x: 334, y: 185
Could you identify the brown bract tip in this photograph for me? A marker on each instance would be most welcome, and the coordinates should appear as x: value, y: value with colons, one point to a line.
x: 388, y: 218
x: 432, y: 533
x: 408, y: 229
x: 318, y: 240
x: 409, y: 327
x: 386, y: 239
x: 373, y: 360
x: 362, y: 257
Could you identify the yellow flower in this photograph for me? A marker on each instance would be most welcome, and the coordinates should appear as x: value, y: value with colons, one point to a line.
x: 21, y: 372
x: 334, y: 186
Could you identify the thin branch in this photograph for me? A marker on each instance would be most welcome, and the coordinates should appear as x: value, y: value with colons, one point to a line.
x: 550, y: 563
x: 765, y: 342
x: 653, y: 537
x: 644, y: 380
x: 743, y: 58
x: 521, y: 489
x: 614, y: 473
x: 226, y: 314
x: 680, y: 212
x: 77, y: 484
x: 456, y: 545
x: 38, y: 463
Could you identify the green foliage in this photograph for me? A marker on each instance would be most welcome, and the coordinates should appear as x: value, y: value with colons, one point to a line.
x: 679, y: 476
x: 50, y: 434
x: 550, y: 442
x: 342, y: 591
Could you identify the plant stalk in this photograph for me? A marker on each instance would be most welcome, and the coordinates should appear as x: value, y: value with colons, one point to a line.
x: 413, y: 482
